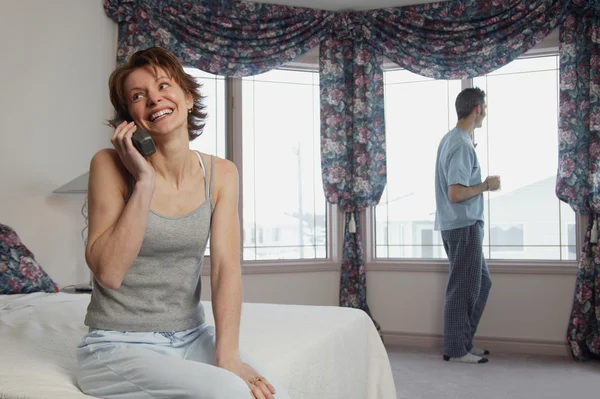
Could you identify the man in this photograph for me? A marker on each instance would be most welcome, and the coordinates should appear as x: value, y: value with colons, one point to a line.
x: 459, y: 216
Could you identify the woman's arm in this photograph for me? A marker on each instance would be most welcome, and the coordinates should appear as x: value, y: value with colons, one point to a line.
x: 226, y: 280
x: 116, y: 230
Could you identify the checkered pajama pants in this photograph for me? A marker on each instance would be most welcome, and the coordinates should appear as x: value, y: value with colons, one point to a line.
x: 468, y: 287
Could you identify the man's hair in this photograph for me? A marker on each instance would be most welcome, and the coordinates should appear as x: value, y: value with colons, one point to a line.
x: 467, y: 100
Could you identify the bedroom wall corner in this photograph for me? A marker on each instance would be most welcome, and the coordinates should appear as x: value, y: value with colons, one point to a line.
x: 57, y: 57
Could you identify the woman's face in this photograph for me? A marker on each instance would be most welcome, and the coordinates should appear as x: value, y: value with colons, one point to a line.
x: 156, y: 103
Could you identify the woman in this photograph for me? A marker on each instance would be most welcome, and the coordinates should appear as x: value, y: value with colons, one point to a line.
x: 149, y: 223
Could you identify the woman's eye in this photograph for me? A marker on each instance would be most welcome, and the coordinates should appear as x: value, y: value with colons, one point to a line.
x: 137, y: 96
x: 163, y: 85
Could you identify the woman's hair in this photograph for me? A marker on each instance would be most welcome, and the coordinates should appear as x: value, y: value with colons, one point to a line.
x: 156, y: 57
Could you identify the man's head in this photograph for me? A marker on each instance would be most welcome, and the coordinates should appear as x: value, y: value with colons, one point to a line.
x: 470, y: 103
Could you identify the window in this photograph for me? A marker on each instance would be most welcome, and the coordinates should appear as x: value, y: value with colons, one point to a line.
x: 518, y: 141
x: 284, y: 209
x: 419, y: 111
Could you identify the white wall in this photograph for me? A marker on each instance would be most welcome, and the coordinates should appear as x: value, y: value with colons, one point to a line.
x: 56, y: 58
x: 319, y: 289
x: 523, y: 307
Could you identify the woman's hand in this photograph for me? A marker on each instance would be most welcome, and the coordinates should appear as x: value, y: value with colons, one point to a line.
x: 260, y: 387
x: 135, y: 163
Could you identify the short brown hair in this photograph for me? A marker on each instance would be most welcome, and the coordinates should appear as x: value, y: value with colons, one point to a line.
x: 157, y: 57
x: 467, y: 100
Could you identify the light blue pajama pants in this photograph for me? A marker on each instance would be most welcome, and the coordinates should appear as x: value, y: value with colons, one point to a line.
x: 468, y: 288
x: 136, y: 365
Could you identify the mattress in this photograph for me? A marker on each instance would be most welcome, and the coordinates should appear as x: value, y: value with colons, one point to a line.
x: 315, y: 352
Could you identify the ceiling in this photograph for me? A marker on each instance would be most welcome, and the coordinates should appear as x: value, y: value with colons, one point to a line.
x: 346, y: 5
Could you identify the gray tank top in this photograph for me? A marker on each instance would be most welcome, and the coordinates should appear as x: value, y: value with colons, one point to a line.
x: 161, y: 290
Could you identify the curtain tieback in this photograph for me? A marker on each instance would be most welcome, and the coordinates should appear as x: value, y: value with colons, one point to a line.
x: 352, y: 223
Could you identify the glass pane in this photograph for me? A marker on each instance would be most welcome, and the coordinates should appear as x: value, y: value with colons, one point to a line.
x: 527, y: 253
x: 569, y: 253
x: 481, y: 146
x: 568, y: 232
x: 402, y: 76
x: 412, y: 251
x: 198, y: 73
x: 284, y: 205
x: 286, y: 77
x: 404, y: 218
x: 537, y: 64
x: 321, y: 252
x: 213, y: 139
x: 518, y: 141
x: 381, y: 251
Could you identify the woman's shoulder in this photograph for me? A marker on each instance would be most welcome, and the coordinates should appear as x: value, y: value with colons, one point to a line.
x: 107, y: 161
x: 225, y: 177
x: 223, y: 167
x: 106, y: 155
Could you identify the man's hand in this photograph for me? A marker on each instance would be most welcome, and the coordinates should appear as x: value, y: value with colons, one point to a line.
x: 493, y: 183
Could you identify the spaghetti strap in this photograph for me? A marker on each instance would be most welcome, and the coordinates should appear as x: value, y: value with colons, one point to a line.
x: 212, y: 174
x: 206, y: 187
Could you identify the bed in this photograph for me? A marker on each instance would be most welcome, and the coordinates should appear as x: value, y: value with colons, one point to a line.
x: 336, y: 350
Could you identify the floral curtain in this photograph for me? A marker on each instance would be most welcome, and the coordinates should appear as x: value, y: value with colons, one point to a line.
x: 578, y: 180
x: 583, y: 332
x: 461, y: 39
x: 221, y: 37
x: 352, y: 143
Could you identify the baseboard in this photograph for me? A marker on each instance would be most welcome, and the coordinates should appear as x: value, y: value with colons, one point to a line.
x: 493, y: 344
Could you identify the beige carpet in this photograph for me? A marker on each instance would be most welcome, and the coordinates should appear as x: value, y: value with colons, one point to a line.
x: 422, y: 374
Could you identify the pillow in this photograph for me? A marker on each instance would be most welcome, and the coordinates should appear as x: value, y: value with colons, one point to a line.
x: 19, y: 271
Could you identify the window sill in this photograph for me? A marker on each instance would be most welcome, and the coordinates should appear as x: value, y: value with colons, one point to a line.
x: 547, y: 267
x: 281, y: 266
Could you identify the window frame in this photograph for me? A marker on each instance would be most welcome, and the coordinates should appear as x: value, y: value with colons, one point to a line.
x: 335, y: 217
x: 334, y: 247
x: 500, y: 266
x: 234, y: 153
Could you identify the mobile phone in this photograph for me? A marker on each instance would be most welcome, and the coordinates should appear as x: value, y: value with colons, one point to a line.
x: 143, y: 142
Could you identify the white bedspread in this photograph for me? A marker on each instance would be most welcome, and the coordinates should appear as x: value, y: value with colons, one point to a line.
x: 315, y: 352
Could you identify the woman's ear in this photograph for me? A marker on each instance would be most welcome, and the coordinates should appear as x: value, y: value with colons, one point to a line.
x: 189, y: 100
